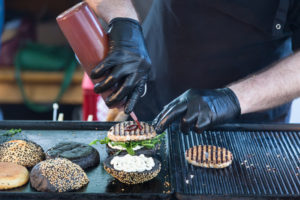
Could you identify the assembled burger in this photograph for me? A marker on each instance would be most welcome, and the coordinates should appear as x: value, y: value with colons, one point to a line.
x: 126, y: 136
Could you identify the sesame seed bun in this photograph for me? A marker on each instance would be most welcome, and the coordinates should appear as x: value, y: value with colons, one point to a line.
x: 12, y: 175
x: 132, y: 177
x: 57, y: 175
x: 22, y: 152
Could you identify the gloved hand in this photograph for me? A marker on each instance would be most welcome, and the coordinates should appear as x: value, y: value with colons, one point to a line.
x: 199, y: 109
x: 127, y: 66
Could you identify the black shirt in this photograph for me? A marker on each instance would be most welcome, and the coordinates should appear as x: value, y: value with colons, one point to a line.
x: 211, y: 43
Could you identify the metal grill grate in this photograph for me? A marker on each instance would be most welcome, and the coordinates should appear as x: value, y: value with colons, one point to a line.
x: 266, y: 164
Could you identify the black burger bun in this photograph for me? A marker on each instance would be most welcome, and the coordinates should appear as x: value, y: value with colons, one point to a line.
x: 83, y: 155
x: 132, y: 177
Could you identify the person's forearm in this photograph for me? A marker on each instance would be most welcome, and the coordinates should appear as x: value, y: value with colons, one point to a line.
x: 275, y: 86
x: 109, y: 9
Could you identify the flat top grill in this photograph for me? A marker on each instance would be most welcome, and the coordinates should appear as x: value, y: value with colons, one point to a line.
x: 266, y: 164
x: 101, y: 185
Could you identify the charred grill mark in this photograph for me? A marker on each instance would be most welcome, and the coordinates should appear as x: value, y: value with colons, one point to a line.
x: 224, y: 153
x: 222, y: 156
x: 208, y: 154
x: 130, y: 132
x: 201, y: 152
x: 125, y: 133
x: 119, y: 130
x: 211, y: 154
x: 134, y: 132
x: 219, y: 155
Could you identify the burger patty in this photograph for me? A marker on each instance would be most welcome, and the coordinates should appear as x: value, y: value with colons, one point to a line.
x: 119, y: 133
x: 209, y: 156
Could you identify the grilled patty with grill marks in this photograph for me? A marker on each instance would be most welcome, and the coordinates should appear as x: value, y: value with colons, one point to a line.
x: 209, y: 156
x: 119, y: 133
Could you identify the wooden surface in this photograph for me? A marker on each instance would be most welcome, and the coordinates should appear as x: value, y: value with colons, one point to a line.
x: 41, y: 87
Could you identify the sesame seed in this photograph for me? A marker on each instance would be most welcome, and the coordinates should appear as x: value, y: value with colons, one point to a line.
x: 63, y: 174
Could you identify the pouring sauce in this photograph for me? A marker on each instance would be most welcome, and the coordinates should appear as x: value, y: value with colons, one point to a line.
x: 133, y: 127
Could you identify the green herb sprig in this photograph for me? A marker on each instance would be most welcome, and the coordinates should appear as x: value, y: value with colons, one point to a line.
x: 11, y: 132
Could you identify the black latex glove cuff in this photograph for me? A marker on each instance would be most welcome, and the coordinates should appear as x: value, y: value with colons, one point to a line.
x: 127, y: 33
x: 126, y: 68
x: 199, y: 109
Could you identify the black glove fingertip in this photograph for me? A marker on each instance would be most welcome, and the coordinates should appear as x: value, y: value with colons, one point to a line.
x: 159, y: 130
x: 108, y: 103
x: 201, y: 125
x: 184, y: 129
x: 98, y: 88
x: 129, y: 107
x: 134, y: 98
x: 93, y: 74
x: 97, y: 72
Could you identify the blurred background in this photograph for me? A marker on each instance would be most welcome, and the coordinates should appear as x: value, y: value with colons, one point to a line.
x: 35, y: 66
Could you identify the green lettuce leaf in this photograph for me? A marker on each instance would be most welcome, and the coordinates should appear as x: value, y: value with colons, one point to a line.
x: 150, y: 144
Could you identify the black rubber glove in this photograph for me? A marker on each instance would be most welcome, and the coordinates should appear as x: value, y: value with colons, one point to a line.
x: 199, y: 109
x: 127, y: 65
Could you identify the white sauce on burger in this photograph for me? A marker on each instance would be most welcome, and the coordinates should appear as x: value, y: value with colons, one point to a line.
x: 130, y: 163
x: 118, y: 147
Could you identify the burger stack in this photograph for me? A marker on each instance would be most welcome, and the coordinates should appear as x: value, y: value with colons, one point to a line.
x: 132, y: 150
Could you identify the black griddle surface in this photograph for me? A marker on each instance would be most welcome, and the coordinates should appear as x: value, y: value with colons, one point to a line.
x: 101, y: 185
x: 266, y: 164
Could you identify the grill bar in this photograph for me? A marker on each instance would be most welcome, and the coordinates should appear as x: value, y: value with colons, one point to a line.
x: 266, y: 163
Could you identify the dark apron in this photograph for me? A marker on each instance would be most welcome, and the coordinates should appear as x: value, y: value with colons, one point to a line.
x: 210, y: 43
